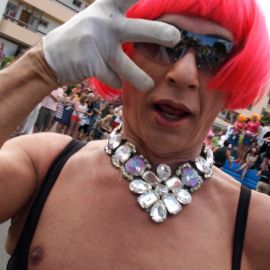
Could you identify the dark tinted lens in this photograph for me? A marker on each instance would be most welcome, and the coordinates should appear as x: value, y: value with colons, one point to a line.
x: 211, y: 52
x: 156, y: 53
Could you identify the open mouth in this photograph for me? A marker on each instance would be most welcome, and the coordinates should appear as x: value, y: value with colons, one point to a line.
x: 169, y: 115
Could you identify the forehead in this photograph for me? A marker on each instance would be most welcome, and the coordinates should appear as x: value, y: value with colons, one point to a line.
x: 197, y: 25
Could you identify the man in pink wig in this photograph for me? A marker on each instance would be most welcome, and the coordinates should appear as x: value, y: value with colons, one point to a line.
x: 149, y: 197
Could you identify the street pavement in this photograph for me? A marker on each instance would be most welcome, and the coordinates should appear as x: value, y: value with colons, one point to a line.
x: 3, y: 254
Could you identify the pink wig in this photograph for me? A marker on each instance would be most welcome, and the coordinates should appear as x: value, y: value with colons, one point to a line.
x: 246, y: 75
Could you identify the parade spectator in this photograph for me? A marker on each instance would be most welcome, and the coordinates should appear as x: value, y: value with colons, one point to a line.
x: 250, y: 162
x: 250, y: 133
x: 79, y: 111
x: 93, y: 107
x: 47, y: 110
x: 60, y: 107
x: 263, y: 185
x: 221, y: 154
x: 237, y: 130
x: 265, y: 150
x: 64, y: 122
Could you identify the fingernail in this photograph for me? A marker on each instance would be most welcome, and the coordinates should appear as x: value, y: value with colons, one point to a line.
x: 173, y: 35
x: 147, y: 85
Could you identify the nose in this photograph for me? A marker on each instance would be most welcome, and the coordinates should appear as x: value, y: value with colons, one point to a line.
x: 184, y: 72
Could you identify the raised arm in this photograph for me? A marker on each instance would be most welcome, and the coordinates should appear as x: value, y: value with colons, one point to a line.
x: 23, y: 85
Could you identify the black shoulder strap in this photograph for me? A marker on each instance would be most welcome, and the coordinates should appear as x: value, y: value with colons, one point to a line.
x: 240, y: 227
x: 19, y: 258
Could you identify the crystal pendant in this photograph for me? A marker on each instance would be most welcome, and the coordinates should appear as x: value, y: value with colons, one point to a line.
x: 121, y: 155
x: 164, y: 171
x: 190, y: 177
x: 174, y: 182
x: 139, y: 186
x: 114, y: 141
x: 158, y: 212
x: 151, y: 178
x: 172, y: 205
x: 183, y: 196
x: 147, y: 199
x: 202, y: 165
x: 161, y: 190
x: 135, y: 166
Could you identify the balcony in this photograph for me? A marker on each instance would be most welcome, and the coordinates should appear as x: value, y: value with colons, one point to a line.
x: 52, y: 8
x: 17, y: 32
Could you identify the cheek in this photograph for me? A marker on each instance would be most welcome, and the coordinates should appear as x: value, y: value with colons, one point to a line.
x: 133, y: 101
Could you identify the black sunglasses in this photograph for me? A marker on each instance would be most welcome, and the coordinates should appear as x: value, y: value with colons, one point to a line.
x: 211, y: 52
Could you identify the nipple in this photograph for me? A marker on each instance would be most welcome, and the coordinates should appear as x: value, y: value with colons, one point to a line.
x: 37, y: 255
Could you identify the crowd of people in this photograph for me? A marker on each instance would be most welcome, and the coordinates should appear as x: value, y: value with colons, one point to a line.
x: 84, y: 115
x: 76, y: 111
x: 246, y: 142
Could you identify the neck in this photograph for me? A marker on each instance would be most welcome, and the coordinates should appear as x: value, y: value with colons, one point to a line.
x: 160, y: 154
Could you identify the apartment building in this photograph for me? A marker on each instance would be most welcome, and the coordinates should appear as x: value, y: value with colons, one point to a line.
x: 24, y: 22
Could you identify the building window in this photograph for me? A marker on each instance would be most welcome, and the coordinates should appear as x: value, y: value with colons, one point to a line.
x: 77, y: 3
x: 11, y: 10
x: 43, y: 23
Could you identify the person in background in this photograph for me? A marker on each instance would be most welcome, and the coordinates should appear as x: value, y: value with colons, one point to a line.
x: 78, y: 114
x: 250, y: 133
x: 221, y: 154
x: 47, y: 111
x: 238, y: 129
x: 250, y: 162
x: 263, y: 184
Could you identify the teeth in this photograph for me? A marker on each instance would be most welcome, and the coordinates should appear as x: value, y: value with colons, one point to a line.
x: 171, y: 116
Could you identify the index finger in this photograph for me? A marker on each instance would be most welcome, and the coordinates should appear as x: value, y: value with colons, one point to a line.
x: 124, y: 5
x: 140, y: 30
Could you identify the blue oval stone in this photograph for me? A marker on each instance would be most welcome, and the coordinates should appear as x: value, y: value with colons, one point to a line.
x: 135, y: 166
x: 190, y: 177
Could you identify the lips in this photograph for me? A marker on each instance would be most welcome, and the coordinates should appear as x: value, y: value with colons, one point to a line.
x: 170, y: 114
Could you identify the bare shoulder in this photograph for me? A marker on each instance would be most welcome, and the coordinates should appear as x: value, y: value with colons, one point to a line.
x: 257, y: 237
x: 40, y: 148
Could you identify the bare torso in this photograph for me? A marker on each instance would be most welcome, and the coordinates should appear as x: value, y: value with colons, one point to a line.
x: 92, y: 221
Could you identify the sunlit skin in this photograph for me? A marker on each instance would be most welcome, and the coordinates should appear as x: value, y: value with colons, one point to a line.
x: 182, y: 84
x: 91, y: 220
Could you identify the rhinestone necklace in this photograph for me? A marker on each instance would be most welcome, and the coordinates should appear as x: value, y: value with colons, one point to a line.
x: 159, y: 193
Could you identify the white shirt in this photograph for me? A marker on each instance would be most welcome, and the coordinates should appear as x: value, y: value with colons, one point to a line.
x: 49, y: 103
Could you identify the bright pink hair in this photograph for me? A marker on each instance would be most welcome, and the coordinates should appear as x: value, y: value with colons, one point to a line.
x: 245, y: 76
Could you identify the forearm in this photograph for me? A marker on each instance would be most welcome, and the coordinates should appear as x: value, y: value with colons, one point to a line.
x: 23, y: 85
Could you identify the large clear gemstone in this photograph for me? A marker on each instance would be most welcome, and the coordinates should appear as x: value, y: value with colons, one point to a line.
x: 139, y: 186
x: 147, y: 199
x: 114, y: 141
x: 151, y: 178
x: 172, y: 205
x: 158, y: 212
x: 122, y: 154
x: 183, y: 196
x: 174, y: 182
x: 190, y: 177
x: 164, y: 171
x: 209, y: 155
x: 135, y: 166
x: 202, y: 165
x: 161, y: 190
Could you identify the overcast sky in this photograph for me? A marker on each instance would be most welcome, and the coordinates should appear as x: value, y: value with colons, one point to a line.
x: 266, y: 7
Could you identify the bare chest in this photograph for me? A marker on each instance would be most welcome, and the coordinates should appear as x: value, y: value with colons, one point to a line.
x: 101, y: 227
